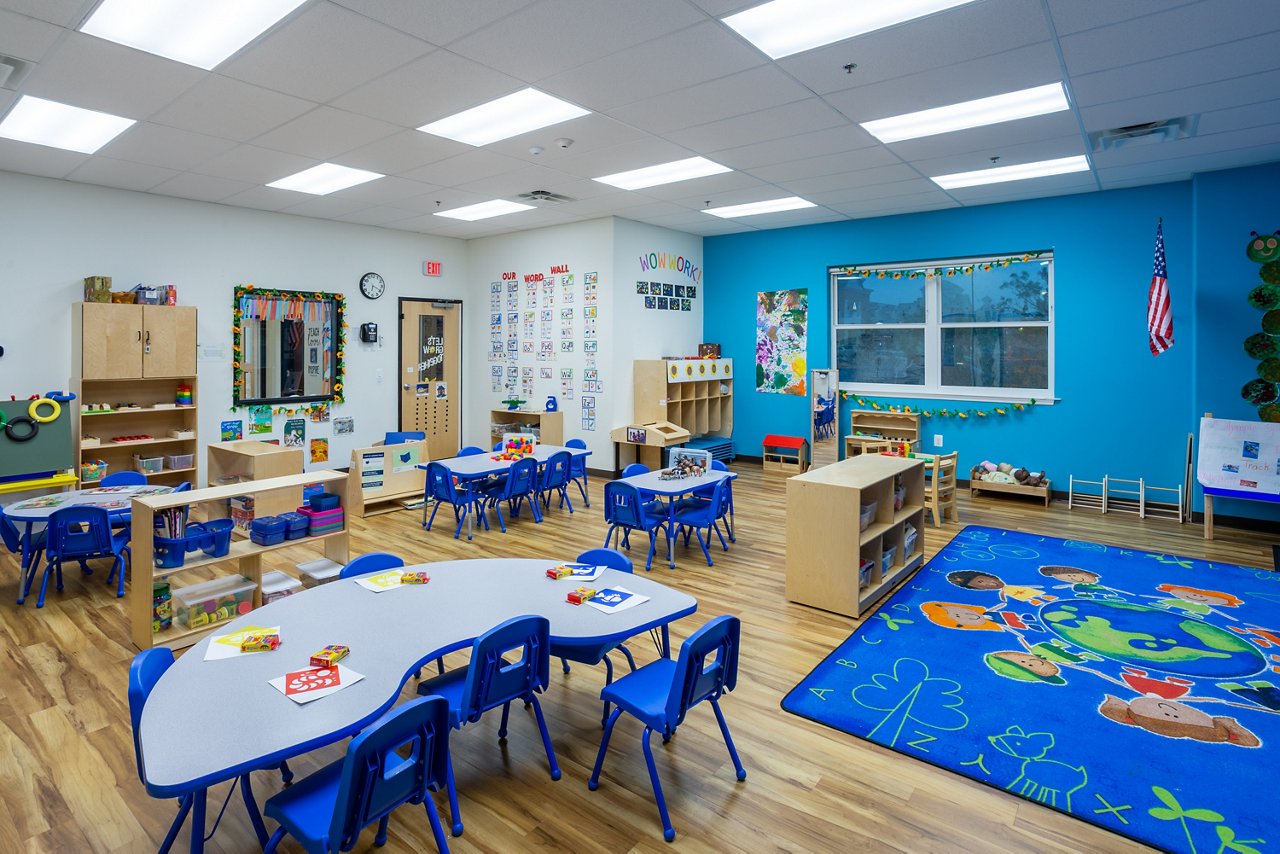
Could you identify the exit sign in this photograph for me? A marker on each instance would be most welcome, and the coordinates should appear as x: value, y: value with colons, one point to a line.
x: 431, y: 268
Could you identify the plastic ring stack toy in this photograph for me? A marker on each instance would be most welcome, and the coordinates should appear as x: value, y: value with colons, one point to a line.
x: 21, y: 421
x: 55, y: 407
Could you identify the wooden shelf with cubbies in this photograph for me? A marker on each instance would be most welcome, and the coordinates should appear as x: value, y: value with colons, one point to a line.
x: 244, y: 556
x: 827, y: 540
x: 872, y: 426
x: 696, y: 394
x: 548, y: 426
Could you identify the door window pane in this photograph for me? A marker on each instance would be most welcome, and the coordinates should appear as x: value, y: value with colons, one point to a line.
x: 875, y: 300
x: 880, y: 355
x: 995, y: 357
x: 1019, y: 291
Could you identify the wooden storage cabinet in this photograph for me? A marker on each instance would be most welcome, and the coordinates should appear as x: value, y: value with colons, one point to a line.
x: 156, y: 416
x: 548, y: 425
x: 135, y: 341
x: 825, y: 541
x: 250, y: 460
x: 245, y: 555
x: 697, y: 394
x: 880, y: 427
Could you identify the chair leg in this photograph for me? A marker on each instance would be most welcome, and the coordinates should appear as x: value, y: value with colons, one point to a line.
x: 564, y: 662
x: 502, y: 727
x: 593, y: 782
x: 608, y: 680
x: 184, y: 807
x: 49, y: 567
x: 668, y: 832
x: 274, y: 842
x: 716, y: 527
x: 728, y: 741
x: 381, y: 838
x: 582, y: 487
x: 453, y: 802
x: 703, y: 543
x: 251, y: 805
x: 437, y: 830
x: 497, y: 508
x: 286, y: 773
x: 427, y: 523
x: 631, y: 661
x: 546, y: 737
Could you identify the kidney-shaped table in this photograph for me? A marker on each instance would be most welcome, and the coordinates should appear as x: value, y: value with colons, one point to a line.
x: 210, y: 721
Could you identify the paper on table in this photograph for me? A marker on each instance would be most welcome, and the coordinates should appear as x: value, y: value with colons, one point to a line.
x: 583, y: 571
x: 312, y: 683
x: 614, y: 599
x: 228, y: 646
x: 381, y: 582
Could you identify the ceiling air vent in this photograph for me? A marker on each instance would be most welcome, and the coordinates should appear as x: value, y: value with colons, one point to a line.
x: 1146, y: 133
x: 13, y: 71
x: 544, y: 197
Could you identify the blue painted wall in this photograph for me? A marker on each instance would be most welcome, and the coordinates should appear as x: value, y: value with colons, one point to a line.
x: 1120, y: 411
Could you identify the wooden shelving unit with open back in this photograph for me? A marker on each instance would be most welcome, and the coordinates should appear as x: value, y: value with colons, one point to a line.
x: 697, y: 394
x: 873, y: 426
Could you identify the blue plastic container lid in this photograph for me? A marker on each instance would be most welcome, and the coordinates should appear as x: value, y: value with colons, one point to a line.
x: 268, y: 525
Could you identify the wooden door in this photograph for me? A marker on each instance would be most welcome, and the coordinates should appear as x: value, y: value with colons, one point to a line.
x: 431, y: 373
x: 111, y: 341
x: 168, y: 341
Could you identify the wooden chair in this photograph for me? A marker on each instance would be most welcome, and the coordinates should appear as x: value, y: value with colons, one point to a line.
x: 877, y: 447
x: 940, y: 487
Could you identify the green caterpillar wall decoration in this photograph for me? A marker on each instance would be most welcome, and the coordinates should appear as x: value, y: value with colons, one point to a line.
x: 1264, y: 391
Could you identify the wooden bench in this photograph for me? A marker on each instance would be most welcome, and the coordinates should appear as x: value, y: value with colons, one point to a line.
x: 787, y: 454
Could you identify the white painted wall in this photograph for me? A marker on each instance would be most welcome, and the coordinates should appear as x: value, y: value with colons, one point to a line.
x: 54, y: 233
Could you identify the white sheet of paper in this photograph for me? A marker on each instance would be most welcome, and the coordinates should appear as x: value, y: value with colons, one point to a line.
x: 346, y: 677
x: 380, y: 582
x: 228, y: 646
x: 614, y: 599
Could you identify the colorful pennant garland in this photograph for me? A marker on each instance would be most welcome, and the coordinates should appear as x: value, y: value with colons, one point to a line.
x: 957, y: 270
x: 270, y: 303
x: 999, y: 410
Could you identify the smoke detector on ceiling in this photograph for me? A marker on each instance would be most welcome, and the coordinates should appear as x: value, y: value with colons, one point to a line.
x: 1146, y: 133
x: 544, y: 197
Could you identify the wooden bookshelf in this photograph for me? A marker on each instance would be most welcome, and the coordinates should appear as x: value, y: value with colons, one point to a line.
x: 874, y: 426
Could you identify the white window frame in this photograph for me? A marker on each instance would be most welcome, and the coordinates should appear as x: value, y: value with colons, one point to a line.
x: 933, y: 326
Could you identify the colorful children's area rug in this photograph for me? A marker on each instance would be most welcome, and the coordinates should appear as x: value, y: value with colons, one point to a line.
x: 1137, y: 691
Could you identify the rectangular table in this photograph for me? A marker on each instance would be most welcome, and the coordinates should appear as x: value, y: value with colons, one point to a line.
x: 671, y: 490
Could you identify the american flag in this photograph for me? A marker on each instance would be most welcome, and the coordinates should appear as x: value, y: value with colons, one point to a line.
x: 1159, y: 307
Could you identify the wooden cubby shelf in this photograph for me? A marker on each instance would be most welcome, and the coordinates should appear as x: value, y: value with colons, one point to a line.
x: 548, y: 426
x: 874, y: 426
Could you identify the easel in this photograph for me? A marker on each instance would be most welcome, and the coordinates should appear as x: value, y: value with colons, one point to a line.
x: 1210, y: 492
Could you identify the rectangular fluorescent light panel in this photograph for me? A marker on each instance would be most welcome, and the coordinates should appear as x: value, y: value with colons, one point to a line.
x: 790, y: 203
x: 783, y: 27
x: 61, y: 126
x: 517, y: 113
x: 970, y: 114
x: 664, y: 173
x: 1022, y: 171
x: 324, y: 179
x: 484, y: 210
x: 196, y: 32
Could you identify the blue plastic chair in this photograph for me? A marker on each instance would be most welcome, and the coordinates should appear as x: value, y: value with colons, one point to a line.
x: 124, y: 478
x: 326, y: 811
x: 519, y: 484
x: 662, y: 692
x: 624, y: 512
x: 399, y: 438
x: 12, y: 539
x: 647, y: 498
x: 704, y: 494
x: 469, y: 451
x: 594, y: 653
x: 144, y: 672
x: 509, y: 662
x: 440, y: 489
x: 78, y: 533
x: 705, y: 515
x: 372, y: 562
x: 555, y: 479
x: 578, y: 469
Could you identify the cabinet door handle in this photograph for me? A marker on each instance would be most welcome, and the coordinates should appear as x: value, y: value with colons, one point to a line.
x: 147, y: 347
x: 139, y: 334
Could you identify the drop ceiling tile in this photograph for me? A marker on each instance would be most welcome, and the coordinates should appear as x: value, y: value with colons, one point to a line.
x: 833, y: 198
x: 1073, y: 16
x: 589, y: 133
x: 887, y: 174
x: 648, y: 151
x: 121, y: 173
x: 254, y: 165
x: 791, y: 219
x: 709, y: 187
x: 325, y: 207
x: 694, y: 55
x: 990, y: 140
x: 32, y: 159
x: 1033, y: 188
x: 912, y: 201
x: 895, y: 210
x: 7, y: 97
x: 64, y: 13
x: 1238, y: 118
x: 401, y: 152
x: 377, y: 215
x: 437, y: 85
x: 1182, y: 102
x: 158, y: 145
x: 441, y: 21
x: 388, y: 191
x: 464, y: 168
x: 835, y: 140
x: 522, y: 179
x: 1029, y: 152
x: 100, y: 75
x: 26, y: 38
x: 1196, y: 146
x: 1124, y: 183
x: 220, y: 106
x: 325, y: 133
x: 773, y: 123
x: 204, y: 188
x: 555, y: 35
x: 323, y: 52
x: 744, y: 92
x: 265, y: 198
x: 827, y: 164
x: 724, y: 8
x: 447, y: 198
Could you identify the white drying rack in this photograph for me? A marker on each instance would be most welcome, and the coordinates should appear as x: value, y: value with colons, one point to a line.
x: 1122, y: 495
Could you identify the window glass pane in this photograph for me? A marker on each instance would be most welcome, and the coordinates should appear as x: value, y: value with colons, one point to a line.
x: 995, y: 357
x: 1017, y: 292
x: 876, y: 300
x: 880, y: 355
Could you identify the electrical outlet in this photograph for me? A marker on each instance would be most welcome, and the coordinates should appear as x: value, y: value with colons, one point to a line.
x: 937, y: 440
x: 377, y: 375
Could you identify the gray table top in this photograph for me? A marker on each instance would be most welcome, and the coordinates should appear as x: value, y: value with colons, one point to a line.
x: 652, y: 482
x: 116, y: 499
x: 479, y: 465
x: 207, y: 721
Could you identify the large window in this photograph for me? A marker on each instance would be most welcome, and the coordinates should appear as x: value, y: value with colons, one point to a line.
x: 978, y: 328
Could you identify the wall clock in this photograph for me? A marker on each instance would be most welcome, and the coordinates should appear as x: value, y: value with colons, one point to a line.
x: 372, y: 285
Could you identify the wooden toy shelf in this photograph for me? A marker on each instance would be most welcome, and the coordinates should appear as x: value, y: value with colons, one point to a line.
x: 876, y: 426
x: 549, y: 425
x: 244, y: 554
x: 697, y: 394
x: 825, y: 541
x: 245, y: 460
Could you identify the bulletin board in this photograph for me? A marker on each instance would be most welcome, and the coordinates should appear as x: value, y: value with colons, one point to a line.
x: 1239, y: 459
x: 49, y: 451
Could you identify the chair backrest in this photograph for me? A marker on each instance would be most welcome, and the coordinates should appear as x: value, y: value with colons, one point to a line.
x: 718, y: 465
x: 634, y: 469
x: 376, y: 778
x: 611, y: 558
x: 508, y: 662
x: 440, y: 483
x: 78, y: 530
x: 622, y: 505
x: 556, y: 471
x: 124, y: 478
x: 470, y: 451
x: 876, y: 447
x: 9, y: 533
x: 400, y: 437
x: 145, y: 671
x: 942, y: 472
x: 497, y: 446
x: 697, y: 679
x: 372, y: 562
x: 577, y: 465
x: 185, y: 486
x: 522, y: 477
x: 717, y: 504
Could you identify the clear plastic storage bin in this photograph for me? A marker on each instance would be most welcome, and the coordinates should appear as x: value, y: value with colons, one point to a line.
x: 277, y: 585
x: 909, y: 535
x: 867, y: 514
x: 864, y: 572
x: 213, y: 601
x: 886, y: 559
x: 179, y: 461
x: 148, y: 465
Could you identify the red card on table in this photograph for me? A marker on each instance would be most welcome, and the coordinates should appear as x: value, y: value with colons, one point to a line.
x: 303, y: 686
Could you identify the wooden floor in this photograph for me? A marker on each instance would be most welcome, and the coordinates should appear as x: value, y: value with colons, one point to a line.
x: 69, y: 783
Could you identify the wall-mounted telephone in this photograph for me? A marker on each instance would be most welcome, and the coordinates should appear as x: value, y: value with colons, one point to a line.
x: 369, y: 333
